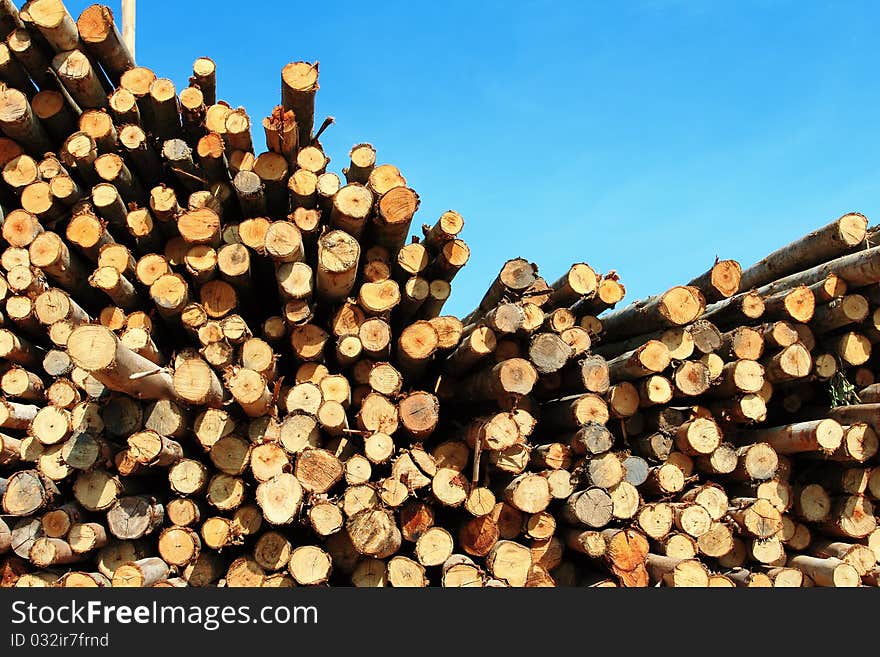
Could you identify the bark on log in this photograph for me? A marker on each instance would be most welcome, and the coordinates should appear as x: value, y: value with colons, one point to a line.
x: 821, y: 245
x: 675, y: 307
x: 97, y: 350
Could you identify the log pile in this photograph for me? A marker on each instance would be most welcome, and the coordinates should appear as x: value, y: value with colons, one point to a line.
x: 230, y: 368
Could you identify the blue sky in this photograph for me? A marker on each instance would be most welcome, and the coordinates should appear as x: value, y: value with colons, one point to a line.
x: 644, y: 137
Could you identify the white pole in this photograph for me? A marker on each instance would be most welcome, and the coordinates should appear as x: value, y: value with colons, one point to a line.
x: 128, y: 16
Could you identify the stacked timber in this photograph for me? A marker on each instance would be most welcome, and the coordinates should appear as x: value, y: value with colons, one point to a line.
x: 225, y: 367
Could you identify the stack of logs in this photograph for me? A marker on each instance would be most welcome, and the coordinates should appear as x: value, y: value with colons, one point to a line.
x: 230, y: 368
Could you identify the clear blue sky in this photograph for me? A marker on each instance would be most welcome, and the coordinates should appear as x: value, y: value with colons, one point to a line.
x: 645, y: 137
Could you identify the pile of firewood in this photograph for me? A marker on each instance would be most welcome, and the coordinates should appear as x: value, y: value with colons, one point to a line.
x: 224, y: 368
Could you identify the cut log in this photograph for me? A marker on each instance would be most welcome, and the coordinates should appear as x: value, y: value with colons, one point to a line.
x: 515, y: 276
x: 17, y: 121
x: 796, y: 304
x: 299, y: 83
x: 831, y: 241
x: 720, y: 282
x: 826, y: 572
x: 650, y: 358
x: 676, y: 307
x: 823, y: 436
x: 98, y: 351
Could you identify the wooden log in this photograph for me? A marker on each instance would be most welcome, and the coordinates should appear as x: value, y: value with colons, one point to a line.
x: 13, y: 73
x: 840, y: 312
x: 737, y: 310
x: 548, y: 352
x: 170, y: 294
x: 474, y: 347
x: 779, y: 334
x: 98, y: 125
x: 97, y: 350
x: 9, y: 18
x: 817, y: 436
x: 18, y: 382
x: 793, y: 362
x: 115, y: 286
x: 821, y: 245
x: 19, y: 171
x: 589, y: 374
x: 88, y: 234
x: 205, y: 78
x: 579, y: 281
x: 721, y: 281
x: 26, y: 492
x: 281, y: 132
x: 47, y: 552
x: 363, y: 159
x: 575, y: 411
x: 796, y: 304
x: 31, y: 55
x: 38, y: 199
x: 374, y: 532
x: 312, y: 158
x: 249, y: 389
x: 18, y: 122
x: 141, y: 573
x: 351, y: 208
x: 738, y: 377
x: 855, y: 270
x: 856, y: 413
x: 98, y: 31
x: 338, y: 255
x: 675, y: 307
x: 860, y: 557
x: 851, y: 347
x: 826, y: 572
x: 514, y: 278
x: 591, y: 507
x: 676, y: 572
x: 758, y: 461
x: 851, y: 516
x: 650, y: 358
x: 299, y: 83
x: 699, y: 436
x: 178, y: 156
x: 80, y: 79
x: 238, y: 131
x: 514, y: 376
